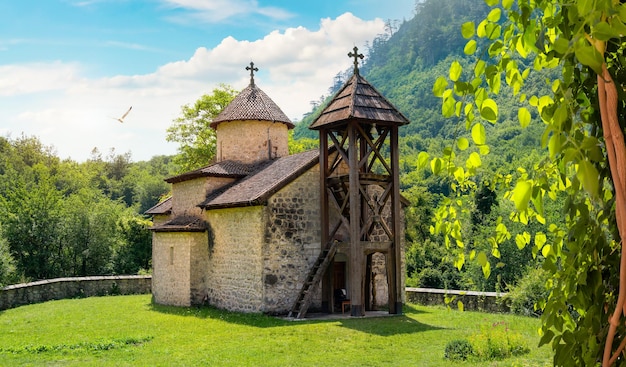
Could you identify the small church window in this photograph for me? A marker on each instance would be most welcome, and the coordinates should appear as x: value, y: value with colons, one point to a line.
x: 172, y: 255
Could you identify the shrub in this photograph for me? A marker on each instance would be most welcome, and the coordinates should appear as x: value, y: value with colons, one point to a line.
x: 431, y: 278
x: 458, y: 349
x: 498, y: 342
x: 529, y: 290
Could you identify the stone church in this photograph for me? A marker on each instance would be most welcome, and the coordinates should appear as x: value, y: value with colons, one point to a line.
x: 260, y: 230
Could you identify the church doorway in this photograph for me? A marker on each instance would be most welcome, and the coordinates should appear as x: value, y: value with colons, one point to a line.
x: 340, y: 291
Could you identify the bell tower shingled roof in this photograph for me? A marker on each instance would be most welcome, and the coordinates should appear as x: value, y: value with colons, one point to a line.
x: 359, y: 100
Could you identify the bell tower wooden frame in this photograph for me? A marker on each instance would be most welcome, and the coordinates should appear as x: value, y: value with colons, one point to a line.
x: 359, y: 180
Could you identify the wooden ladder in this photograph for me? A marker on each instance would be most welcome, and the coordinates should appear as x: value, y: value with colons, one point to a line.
x: 312, y: 281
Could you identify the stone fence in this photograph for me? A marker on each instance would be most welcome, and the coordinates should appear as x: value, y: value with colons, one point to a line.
x: 472, y: 301
x: 60, y: 288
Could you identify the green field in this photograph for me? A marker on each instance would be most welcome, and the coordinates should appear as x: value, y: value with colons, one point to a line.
x: 130, y: 331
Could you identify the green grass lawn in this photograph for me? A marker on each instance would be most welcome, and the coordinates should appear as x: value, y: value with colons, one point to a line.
x: 130, y: 331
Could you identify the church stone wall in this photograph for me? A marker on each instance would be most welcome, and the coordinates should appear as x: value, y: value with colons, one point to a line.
x: 251, y: 146
x: 188, y: 194
x: 171, y: 263
x: 293, y: 242
x: 170, y: 280
x: 235, y: 262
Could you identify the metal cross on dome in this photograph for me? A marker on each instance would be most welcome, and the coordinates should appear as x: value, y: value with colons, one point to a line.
x: 356, y: 56
x: 252, y: 70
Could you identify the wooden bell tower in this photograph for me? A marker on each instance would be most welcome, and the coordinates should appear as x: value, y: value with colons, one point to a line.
x: 359, y: 168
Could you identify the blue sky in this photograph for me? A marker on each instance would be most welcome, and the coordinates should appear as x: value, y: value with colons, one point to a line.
x: 68, y: 66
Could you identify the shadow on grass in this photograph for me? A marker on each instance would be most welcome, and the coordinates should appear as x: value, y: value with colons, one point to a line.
x: 387, y: 326
x: 384, y: 325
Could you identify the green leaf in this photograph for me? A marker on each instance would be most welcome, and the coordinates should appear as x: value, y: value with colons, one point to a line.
x: 422, y: 160
x: 524, y: 117
x: 473, y: 161
x: 482, y: 258
x: 589, y: 176
x: 448, y: 108
x: 479, y: 69
x: 462, y: 143
x: 489, y: 110
x: 440, y: 86
x: 483, y: 149
x: 521, y: 240
x: 494, y: 15
x: 470, y: 47
x: 584, y: 7
x: 459, y: 261
x: 506, y: 4
x: 589, y: 56
x: 478, y: 134
x: 487, y: 270
x: 561, y: 45
x: 546, y: 338
x: 459, y: 174
x: 436, y: 165
x: 545, y: 251
x: 455, y: 71
x: 459, y: 305
x: 540, y: 239
x: 521, y: 195
x: 492, y: 2
x: 468, y: 29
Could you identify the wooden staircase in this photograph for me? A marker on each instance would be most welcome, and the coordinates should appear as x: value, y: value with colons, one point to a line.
x: 312, y: 281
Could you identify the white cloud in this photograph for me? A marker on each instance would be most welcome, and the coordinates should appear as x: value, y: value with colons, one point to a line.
x: 57, y: 103
x: 36, y: 77
x: 220, y: 10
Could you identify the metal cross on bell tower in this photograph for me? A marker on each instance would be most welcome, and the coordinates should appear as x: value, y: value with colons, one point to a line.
x: 356, y: 56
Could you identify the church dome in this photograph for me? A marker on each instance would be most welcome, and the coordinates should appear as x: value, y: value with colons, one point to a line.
x: 252, y: 104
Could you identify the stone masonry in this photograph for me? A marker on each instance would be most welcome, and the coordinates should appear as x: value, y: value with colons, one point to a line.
x: 292, y: 241
x: 261, y: 138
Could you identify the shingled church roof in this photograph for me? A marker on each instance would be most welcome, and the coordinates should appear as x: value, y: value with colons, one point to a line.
x: 266, y: 180
x: 252, y: 104
x: 164, y: 207
x: 228, y: 168
x: 183, y: 223
x: 358, y: 99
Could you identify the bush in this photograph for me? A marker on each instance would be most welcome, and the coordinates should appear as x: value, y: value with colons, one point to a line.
x: 529, y: 290
x: 431, y: 278
x: 498, y: 342
x: 458, y: 349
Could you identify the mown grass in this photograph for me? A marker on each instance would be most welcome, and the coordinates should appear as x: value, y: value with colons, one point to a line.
x: 130, y: 331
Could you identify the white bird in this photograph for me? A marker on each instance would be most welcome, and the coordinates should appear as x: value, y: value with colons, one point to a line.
x: 121, y: 119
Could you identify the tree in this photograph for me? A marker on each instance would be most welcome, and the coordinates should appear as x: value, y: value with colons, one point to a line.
x: 8, y: 271
x: 192, y: 131
x: 585, y: 40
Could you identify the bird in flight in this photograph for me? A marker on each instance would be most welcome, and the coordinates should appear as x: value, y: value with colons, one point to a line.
x: 121, y: 119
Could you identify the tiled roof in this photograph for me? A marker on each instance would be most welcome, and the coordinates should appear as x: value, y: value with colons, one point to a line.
x: 232, y: 169
x: 252, y: 104
x: 183, y: 223
x: 358, y: 99
x: 270, y: 177
x: 164, y: 207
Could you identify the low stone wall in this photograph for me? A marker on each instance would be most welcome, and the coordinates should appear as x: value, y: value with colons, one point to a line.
x: 60, y: 288
x: 472, y: 301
